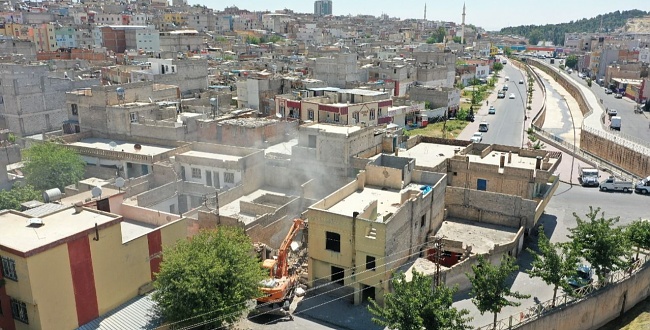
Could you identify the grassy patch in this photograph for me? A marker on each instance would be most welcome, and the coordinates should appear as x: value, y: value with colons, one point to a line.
x: 638, y: 318
x: 453, y: 128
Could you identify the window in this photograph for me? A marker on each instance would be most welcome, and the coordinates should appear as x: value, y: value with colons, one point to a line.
x: 337, y: 117
x: 9, y: 268
x: 337, y: 275
x: 19, y: 311
x: 423, y: 220
x: 332, y: 241
x: 310, y: 114
x: 372, y: 114
x: 133, y: 116
x: 172, y: 209
x: 75, y: 109
x: 370, y: 263
x: 228, y: 177
x: 196, y: 173
x: 355, y: 116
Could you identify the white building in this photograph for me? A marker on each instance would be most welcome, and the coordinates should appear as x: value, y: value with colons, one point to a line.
x: 644, y: 55
x: 146, y: 38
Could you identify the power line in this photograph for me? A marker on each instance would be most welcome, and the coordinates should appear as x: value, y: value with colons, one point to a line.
x: 311, y: 289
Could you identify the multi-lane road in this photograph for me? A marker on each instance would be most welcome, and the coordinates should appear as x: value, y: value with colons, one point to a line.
x: 507, y: 125
x: 635, y: 125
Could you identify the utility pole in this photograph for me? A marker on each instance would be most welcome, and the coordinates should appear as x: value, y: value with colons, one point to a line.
x: 437, y: 245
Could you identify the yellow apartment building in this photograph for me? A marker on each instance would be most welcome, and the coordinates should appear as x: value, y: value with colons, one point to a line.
x: 64, y: 266
x: 362, y: 233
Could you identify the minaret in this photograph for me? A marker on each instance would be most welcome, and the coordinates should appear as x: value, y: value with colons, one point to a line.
x: 425, y: 11
x: 462, y: 29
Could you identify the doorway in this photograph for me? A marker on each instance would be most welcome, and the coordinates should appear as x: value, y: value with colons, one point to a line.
x: 337, y: 275
x: 367, y: 292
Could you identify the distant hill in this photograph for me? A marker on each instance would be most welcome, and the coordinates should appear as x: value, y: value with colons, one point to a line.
x: 555, y: 32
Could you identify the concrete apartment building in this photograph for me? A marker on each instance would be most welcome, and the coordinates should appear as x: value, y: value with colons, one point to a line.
x: 402, y: 74
x: 338, y: 70
x: 33, y: 97
x: 360, y: 234
x: 335, y: 105
x: 181, y: 41
x: 322, y: 7
x: 67, y: 266
x: 145, y: 38
x: 438, y: 97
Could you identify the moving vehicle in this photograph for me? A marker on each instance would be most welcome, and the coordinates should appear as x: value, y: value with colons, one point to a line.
x: 280, y: 287
x: 618, y: 96
x: 521, y: 81
x: 611, y: 112
x: 504, y: 62
x: 507, y: 78
x: 483, y: 126
x: 583, y: 277
x: 608, y: 91
x: 643, y: 186
x: 501, y: 95
x: 477, y: 137
x: 505, y: 87
x: 492, y: 110
x: 512, y: 96
x: 588, y: 176
x: 616, y: 185
x: 615, y: 123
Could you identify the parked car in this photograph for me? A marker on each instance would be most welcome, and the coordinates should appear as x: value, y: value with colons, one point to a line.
x: 512, y: 96
x: 643, y: 186
x: 616, y: 185
x: 608, y: 91
x: 477, y: 137
x: 618, y: 96
x: 483, y: 126
x: 583, y: 277
x: 612, y: 112
x: 588, y: 176
x: 492, y: 110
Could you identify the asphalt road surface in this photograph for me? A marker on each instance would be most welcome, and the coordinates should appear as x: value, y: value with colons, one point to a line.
x: 633, y: 124
x: 507, y: 125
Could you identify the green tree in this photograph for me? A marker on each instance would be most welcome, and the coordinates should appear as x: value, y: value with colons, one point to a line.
x: 252, y: 40
x: 490, y: 289
x: 415, y: 304
x: 604, y: 246
x: 11, y: 199
x: 208, y: 278
x: 51, y: 165
x: 554, y: 263
x: 507, y: 51
x: 571, y: 61
x: 497, y: 66
x: 638, y: 233
x: 535, y: 37
x: 457, y: 39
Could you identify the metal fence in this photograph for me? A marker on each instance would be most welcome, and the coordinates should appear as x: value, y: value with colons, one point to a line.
x: 539, y: 310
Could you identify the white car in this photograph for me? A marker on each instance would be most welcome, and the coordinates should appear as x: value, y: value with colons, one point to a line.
x: 612, y: 112
x: 477, y: 137
x: 512, y: 96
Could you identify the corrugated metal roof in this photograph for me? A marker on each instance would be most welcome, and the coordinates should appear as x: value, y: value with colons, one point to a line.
x: 136, y: 314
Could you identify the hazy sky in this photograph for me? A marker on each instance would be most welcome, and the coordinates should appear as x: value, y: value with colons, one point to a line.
x: 489, y: 14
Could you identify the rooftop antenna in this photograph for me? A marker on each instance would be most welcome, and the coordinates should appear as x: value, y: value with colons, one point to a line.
x: 96, y: 192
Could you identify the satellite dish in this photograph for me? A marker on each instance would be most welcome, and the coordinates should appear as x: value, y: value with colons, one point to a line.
x: 119, y: 182
x: 113, y: 145
x: 96, y: 191
x: 279, y: 115
x: 213, y: 101
x: 120, y: 93
x: 137, y: 147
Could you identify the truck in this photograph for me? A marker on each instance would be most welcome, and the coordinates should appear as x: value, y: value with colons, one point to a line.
x: 643, y: 186
x: 279, y: 288
x: 588, y: 176
x: 614, y: 184
x: 615, y: 123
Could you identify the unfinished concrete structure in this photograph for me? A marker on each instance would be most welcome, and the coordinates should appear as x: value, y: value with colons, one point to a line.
x: 338, y: 69
x: 363, y: 232
x: 33, y: 99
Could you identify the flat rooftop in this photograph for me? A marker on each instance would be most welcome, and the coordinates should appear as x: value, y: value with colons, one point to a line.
x: 15, y: 232
x: 83, y: 196
x: 481, y: 236
x: 338, y: 129
x: 210, y: 155
x: 282, y: 148
x: 388, y: 200
x: 429, y: 154
x: 232, y: 209
x: 493, y: 158
x: 122, y: 146
x: 133, y: 229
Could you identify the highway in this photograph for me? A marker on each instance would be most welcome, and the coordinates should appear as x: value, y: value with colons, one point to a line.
x: 634, y: 125
x: 507, y: 125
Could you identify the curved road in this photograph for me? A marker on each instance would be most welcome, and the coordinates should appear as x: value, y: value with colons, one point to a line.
x: 633, y: 124
x: 507, y: 125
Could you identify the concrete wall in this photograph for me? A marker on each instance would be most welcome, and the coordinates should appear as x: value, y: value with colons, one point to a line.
x: 488, y: 207
x: 631, y: 160
x: 600, y: 307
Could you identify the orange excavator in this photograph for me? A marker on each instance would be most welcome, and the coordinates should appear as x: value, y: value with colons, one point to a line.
x: 280, y: 287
